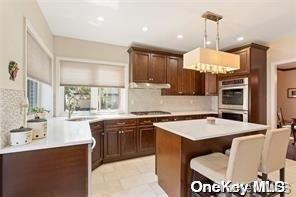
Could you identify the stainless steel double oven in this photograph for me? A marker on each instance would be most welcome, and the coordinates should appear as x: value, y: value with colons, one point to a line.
x: 234, y: 99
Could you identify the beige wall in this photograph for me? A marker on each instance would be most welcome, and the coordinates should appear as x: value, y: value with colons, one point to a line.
x: 281, y: 50
x: 12, y: 34
x: 286, y: 79
x: 82, y: 49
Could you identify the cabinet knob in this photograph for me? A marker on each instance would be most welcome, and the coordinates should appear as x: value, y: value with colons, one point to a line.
x: 180, y: 92
x: 103, y: 133
x: 193, y: 92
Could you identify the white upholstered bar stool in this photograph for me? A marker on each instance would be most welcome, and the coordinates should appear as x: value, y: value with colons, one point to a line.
x: 240, y: 167
x: 274, y: 153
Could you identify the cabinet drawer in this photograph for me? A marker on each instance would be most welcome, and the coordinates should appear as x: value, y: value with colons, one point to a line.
x: 120, y: 123
x: 165, y: 119
x: 96, y: 125
x: 146, y: 121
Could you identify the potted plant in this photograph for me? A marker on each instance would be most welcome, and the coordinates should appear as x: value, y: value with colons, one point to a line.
x: 39, y: 112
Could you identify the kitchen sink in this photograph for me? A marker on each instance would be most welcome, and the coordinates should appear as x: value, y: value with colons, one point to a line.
x: 81, y: 119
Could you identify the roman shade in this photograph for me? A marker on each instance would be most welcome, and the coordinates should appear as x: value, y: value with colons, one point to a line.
x: 91, y: 74
x: 39, y: 66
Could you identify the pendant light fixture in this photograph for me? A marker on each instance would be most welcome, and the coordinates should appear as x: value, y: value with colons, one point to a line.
x: 210, y: 60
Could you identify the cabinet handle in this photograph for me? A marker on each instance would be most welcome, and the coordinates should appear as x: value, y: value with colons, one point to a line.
x: 102, y: 133
x: 193, y: 92
x: 147, y: 121
x: 164, y: 120
x: 93, y: 143
x: 122, y: 132
x: 120, y: 123
x: 180, y: 92
x: 119, y: 131
x: 152, y: 79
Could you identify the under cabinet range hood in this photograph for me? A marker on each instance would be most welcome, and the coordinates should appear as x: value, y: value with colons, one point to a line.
x: 134, y: 85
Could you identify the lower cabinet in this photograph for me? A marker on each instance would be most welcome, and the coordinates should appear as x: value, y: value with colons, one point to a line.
x: 112, y: 144
x: 128, y: 142
x: 129, y: 138
x: 146, y: 140
x: 49, y: 172
x: 120, y: 143
x: 97, y: 131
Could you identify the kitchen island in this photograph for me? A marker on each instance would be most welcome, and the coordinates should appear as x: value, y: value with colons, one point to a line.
x: 178, y: 142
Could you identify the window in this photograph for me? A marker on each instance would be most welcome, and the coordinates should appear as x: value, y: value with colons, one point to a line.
x: 92, y: 98
x: 39, y: 94
x: 108, y: 98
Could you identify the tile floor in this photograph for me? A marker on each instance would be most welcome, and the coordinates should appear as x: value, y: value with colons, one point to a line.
x: 136, y: 178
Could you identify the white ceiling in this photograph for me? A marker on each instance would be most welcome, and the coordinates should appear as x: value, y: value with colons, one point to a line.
x: 256, y: 20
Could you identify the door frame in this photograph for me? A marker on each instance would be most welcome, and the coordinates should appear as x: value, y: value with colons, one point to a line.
x: 273, y: 91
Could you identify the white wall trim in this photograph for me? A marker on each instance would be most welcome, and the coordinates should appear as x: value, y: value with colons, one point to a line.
x: 30, y: 29
x: 273, y: 90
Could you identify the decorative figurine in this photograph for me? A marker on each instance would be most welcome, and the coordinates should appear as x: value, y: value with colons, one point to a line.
x: 13, y: 69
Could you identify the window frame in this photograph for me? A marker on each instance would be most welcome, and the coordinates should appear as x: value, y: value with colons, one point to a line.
x: 59, y: 93
x: 29, y: 29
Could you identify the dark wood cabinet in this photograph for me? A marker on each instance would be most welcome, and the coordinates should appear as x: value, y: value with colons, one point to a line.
x: 146, y: 140
x: 97, y: 131
x: 146, y: 136
x: 61, y: 171
x: 183, y: 81
x: 210, y: 85
x: 120, y: 139
x: 253, y: 65
x: 128, y: 141
x: 112, y: 144
x: 147, y: 66
x: 157, y: 68
x: 173, y: 76
x: 140, y: 62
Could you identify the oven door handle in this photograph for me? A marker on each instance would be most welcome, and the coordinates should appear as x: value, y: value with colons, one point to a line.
x: 234, y: 88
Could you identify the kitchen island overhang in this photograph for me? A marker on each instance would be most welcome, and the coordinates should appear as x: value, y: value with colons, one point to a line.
x: 178, y: 142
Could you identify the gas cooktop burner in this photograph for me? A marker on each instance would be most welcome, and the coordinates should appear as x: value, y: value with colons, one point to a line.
x: 144, y: 113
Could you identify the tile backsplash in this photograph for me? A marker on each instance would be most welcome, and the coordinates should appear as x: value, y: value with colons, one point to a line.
x: 149, y: 99
x: 10, y: 113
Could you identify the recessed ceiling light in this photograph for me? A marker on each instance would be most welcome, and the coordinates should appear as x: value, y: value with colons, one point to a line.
x: 100, y: 19
x: 208, y: 42
x: 145, y: 28
x: 180, y: 36
x: 240, y: 38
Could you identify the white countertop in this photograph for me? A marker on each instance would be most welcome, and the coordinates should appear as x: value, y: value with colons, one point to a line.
x: 62, y: 133
x: 126, y: 116
x: 200, y: 129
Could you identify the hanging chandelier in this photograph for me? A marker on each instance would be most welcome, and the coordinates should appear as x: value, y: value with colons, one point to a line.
x: 210, y: 60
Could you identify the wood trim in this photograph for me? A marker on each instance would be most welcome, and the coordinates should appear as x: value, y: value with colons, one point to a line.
x: 155, y: 51
x: 251, y: 45
x: 286, y: 69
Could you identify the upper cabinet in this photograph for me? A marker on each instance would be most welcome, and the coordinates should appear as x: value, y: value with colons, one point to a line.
x: 146, y: 66
x: 182, y: 81
x: 151, y: 66
x: 140, y: 62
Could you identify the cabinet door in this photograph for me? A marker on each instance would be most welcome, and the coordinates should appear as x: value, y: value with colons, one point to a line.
x: 112, y: 143
x: 128, y: 141
x: 157, y: 68
x: 189, y: 83
x: 244, y: 62
x: 97, y: 152
x: 210, y: 84
x: 146, y: 140
x: 172, y: 75
x: 140, y: 66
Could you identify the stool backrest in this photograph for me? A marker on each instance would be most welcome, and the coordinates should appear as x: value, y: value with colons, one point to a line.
x: 244, y: 158
x: 275, y: 150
